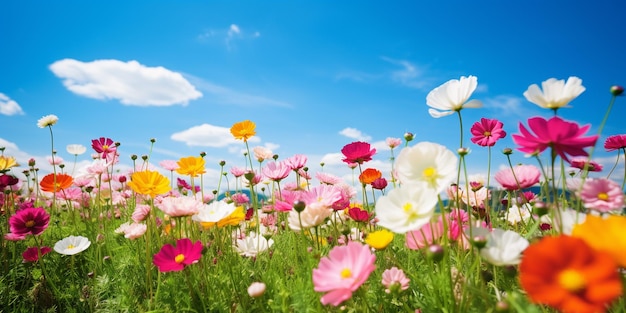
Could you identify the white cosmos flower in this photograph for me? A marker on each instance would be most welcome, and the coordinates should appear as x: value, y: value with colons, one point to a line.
x: 47, y: 120
x: 406, y: 208
x: 518, y: 213
x: 504, y: 247
x: 76, y: 149
x: 313, y: 215
x: 428, y: 164
x: 214, y: 212
x: 252, y: 245
x: 556, y: 93
x: 72, y: 245
x: 452, y: 96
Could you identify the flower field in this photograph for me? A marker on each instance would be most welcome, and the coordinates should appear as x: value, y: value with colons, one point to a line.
x: 422, y: 238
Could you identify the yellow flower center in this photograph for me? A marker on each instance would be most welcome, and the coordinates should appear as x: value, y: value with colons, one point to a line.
x: 70, y: 246
x: 105, y: 147
x: 572, y: 280
x: 407, y: 207
x: 346, y: 273
x: 603, y: 196
x: 29, y: 224
x: 179, y: 258
x: 429, y: 173
x: 487, y: 133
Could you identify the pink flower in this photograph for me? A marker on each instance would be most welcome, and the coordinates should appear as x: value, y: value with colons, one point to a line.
x: 179, y: 206
x: 615, y: 142
x: 395, y: 279
x: 169, y: 165
x: 262, y: 153
x: 29, y: 221
x: 358, y: 152
x: 171, y: 258
x: 379, y: 183
x: 104, y: 146
x: 393, y: 142
x: 487, y: 132
x: 276, y: 171
x: 57, y: 160
x: 602, y: 195
x: 286, y: 199
x: 565, y: 138
x: 240, y: 198
x: 326, y: 178
x: 359, y: 215
x: 31, y: 254
x: 256, y: 289
x: 425, y: 236
x: 237, y: 171
x: 343, y: 271
x: 296, y: 162
x: 527, y: 176
x: 135, y: 230
x: 581, y: 162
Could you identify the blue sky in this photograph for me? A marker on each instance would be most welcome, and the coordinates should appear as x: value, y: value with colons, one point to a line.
x: 313, y: 76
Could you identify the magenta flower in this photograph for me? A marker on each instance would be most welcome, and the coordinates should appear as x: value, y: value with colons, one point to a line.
x: 171, y: 258
x: 359, y: 215
x: 602, y: 195
x: 29, y: 221
x: 357, y: 152
x: 487, y: 132
x: 343, y: 271
x: 527, y: 176
x: 395, y: 279
x: 581, y: 162
x: 104, y: 146
x: 379, y: 183
x: 31, y: 254
x: 615, y: 142
x: 565, y: 138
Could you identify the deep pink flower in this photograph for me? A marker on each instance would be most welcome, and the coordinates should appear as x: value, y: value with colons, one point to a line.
x: 276, y: 171
x: 527, y: 176
x: 296, y: 162
x: 358, y: 152
x: 581, y: 162
x: 31, y: 254
x: 29, y: 221
x: 286, y: 198
x: 379, y: 183
x: 615, y: 142
x: 565, y: 138
x: 104, y: 146
x: 487, y: 132
x: 343, y: 271
x: 602, y: 195
x: 240, y: 198
x: 7, y: 180
x: 359, y: 215
x: 175, y: 258
x: 394, y: 278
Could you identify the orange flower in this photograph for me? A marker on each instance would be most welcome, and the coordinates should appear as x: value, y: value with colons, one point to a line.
x: 243, y: 130
x: 369, y: 175
x: 567, y: 274
x: 605, y: 234
x: 192, y: 166
x: 63, y: 181
x: 149, y: 183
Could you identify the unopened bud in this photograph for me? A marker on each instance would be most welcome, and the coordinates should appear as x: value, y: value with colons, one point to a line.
x: 435, y: 253
x: 299, y: 206
x: 507, y: 151
x: 617, y: 90
x: 408, y: 136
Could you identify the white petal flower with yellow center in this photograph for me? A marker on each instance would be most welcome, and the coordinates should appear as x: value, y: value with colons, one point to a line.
x: 428, y: 165
x: 214, y: 212
x: 504, y: 247
x: 72, y: 245
x: 452, y: 96
x: 556, y: 93
x: 76, y: 149
x: 406, y: 208
x: 47, y: 120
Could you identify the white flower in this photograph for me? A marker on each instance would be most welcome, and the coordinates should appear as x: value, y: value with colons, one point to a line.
x: 563, y: 221
x: 452, y: 96
x: 262, y: 153
x: 72, y: 245
x: 214, y: 212
x: 256, y: 289
x: 252, y: 245
x: 427, y: 164
x: 313, y: 215
x: 516, y: 214
x: 76, y: 149
x: 556, y: 93
x: 504, y: 247
x: 47, y: 120
x: 406, y: 208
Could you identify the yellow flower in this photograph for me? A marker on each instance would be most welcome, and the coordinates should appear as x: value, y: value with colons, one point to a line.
x: 7, y: 162
x: 604, y: 234
x: 243, y: 130
x: 192, y: 166
x: 379, y: 239
x: 234, y: 218
x: 149, y: 183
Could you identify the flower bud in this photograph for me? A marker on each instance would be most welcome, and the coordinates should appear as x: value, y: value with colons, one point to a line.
x: 617, y: 90
x: 463, y: 151
x: 299, y: 206
x: 479, y: 242
x: 502, y: 306
x: 507, y: 151
x: 435, y: 253
x: 202, y: 154
x: 408, y: 136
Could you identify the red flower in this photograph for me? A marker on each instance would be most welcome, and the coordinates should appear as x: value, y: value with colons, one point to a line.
x: 103, y: 146
x: 357, y: 152
x: 379, y: 183
x: 29, y: 221
x: 171, y: 258
x: 359, y: 215
x: 32, y: 254
x: 51, y: 184
x: 615, y: 142
x: 565, y: 138
x: 487, y: 132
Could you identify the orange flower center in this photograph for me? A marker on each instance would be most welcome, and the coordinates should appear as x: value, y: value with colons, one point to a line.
x: 603, y: 196
x: 572, y: 280
x: 29, y: 224
x: 487, y: 133
x: 346, y: 273
x: 179, y: 258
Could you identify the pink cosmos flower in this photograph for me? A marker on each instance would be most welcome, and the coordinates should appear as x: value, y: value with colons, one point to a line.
x: 326, y: 178
x: 393, y: 142
x: 56, y: 161
x: 169, y: 165
x: 175, y: 258
x: 425, y: 236
x: 237, y: 171
x: 262, y: 153
x: 29, y: 221
x: 179, y: 206
x: 343, y: 271
x: 394, y: 278
x: 276, y: 171
x: 615, y: 142
x: 141, y: 212
x: 240, y: 198
x: 581, y: 162
x: 357, y: 152
x: 14, y: 237
x: 104, y: 146
x: 296, y: 162
x: 286, y: 199
x: 527, y: 176
x: 31, y: 254
x: 325, y: 195
x: 565, y: 138
x: 602, y: 195
x: 487, y: 132
x: 135, y: 230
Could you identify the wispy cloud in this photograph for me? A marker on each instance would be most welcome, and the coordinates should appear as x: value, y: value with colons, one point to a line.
x: 506, y: 105
x: 229, y: 35
x: 207, y: 135
x: 409, y: 74
x: 224, y: 95
x: 354, y: 133
x: 8, y: 106
x: 129, y: 82
x: 357, y: 76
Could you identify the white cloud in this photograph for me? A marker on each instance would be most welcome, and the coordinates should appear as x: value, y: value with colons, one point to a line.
x: 409, y: 75
x: 207, y: 135
x: 505, y: 105
x: 354, y: 134
x: 233, y: 30
x: 130, y: 82
x: 9, y: 106
x: 229, y: 35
